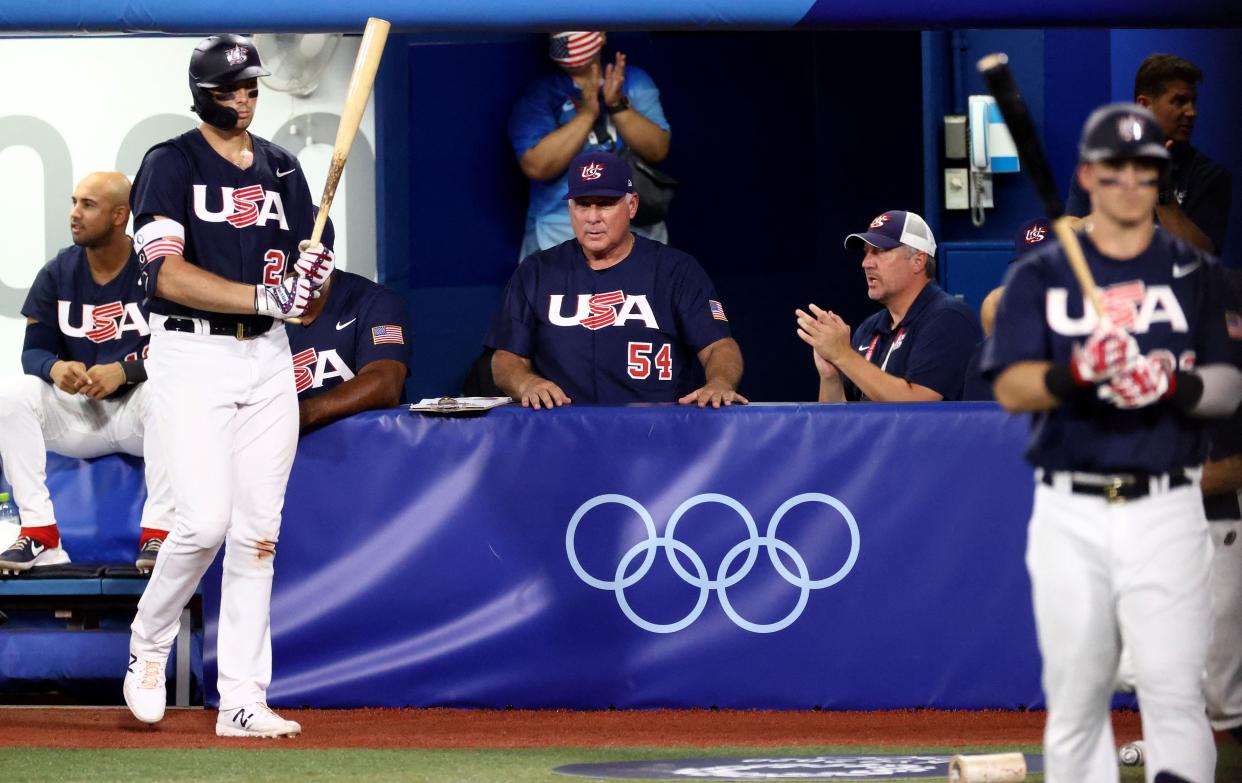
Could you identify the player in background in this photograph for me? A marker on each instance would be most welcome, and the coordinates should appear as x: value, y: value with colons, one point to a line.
x: 84, y: 359
x: 219, y: 215
x: 1118, y: 545
x: 350, y: 354
x: 610, y: 317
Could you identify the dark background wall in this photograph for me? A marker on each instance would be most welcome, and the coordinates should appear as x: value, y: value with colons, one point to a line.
x: 784, y: 143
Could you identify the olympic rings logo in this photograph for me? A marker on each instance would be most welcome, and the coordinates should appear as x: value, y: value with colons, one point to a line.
x: 700, y: 578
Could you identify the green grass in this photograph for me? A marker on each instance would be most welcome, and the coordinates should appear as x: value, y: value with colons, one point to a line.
x: 458, y: 766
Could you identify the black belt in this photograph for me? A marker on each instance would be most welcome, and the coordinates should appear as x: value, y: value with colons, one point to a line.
x: 1115, y: 487
x: 242, y: 330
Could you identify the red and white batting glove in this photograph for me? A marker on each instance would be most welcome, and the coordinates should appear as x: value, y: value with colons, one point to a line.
x: 315, y: 263
x: 1107, y: 351
x: 287, y: 300
x: 1141, y: 384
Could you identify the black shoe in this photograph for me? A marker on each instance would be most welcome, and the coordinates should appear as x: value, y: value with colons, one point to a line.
x: 26, y: 553
x: 148, y: 553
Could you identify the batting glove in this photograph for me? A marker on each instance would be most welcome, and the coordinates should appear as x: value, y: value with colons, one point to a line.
x: 315, y: 263
x: 1141, y: 384
x: 1107, y: 351
x: 287, y: 300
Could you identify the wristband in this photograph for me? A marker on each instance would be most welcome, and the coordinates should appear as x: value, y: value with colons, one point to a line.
x: 621, y: 105
x: 1062, y: 383
x: 1185, y: 391
x: 135, y: 370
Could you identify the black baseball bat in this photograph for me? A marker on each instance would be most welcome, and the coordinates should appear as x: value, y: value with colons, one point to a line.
x: 1004, y: 88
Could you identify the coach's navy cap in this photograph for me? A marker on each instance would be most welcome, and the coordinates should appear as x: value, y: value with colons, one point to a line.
x: 893, y: 228
x: 599, y: 174
x: 1029, y: 236
x: 1121, y: 130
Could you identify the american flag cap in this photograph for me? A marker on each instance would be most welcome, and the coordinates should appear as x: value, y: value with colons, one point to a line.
x: 571, y: 49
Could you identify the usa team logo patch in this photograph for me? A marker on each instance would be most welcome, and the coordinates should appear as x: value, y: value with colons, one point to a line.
x: 387, y: 334
x: 717, y: 310
x: 593, y: 171
x: 879, y: 221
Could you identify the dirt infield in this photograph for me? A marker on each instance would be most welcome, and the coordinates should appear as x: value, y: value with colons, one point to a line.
x: 442, y: 728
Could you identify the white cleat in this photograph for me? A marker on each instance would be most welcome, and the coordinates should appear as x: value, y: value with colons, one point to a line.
x: 145, y: 692
x: 255, y: 720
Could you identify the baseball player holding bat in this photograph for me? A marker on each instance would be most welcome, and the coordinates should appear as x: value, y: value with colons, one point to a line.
x: 1118, y: 544
x: 218, y: 214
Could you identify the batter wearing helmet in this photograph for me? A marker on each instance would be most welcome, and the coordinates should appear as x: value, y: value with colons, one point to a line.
x: 218, y: 214
x: 1118, y: 544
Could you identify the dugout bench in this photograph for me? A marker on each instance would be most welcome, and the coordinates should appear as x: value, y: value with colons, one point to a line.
x: 78, y: 596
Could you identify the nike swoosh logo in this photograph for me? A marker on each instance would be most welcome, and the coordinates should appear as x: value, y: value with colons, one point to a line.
x: 37, y: 548
x: 340, y: 326
x: 1182, y: 271
x: 280, y: 173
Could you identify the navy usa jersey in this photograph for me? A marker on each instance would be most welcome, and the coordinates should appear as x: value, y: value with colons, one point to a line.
x: 361, y: 322
x: 243, y: 225
x: 98, y: 324
x: 629, y: 333
x: 1170, y: 298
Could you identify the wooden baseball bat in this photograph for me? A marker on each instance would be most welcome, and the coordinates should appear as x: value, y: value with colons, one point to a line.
x: 356, y: 96
x: 1004, y: 88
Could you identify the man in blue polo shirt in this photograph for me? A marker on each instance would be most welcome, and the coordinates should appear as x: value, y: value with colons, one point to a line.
x: 916, y: 348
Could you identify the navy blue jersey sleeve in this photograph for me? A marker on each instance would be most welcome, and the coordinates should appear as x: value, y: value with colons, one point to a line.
x: 944, y: 349
x: 383, y: 330
x: 160, y: 186
x: 513, y: 327
x: 700, y: 314
x: 41, y: 300
x: 1019, y: 333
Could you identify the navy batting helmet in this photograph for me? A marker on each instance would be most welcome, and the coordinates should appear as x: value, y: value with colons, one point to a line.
x: 218, y: 61
x: 1121, y: 130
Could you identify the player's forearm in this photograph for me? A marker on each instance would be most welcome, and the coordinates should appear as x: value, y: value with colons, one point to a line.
x: 642, y: 135
x: 1021, y: 388
x: 722, y: 363
x: 551, y: 156
x: 1222, y: 475
x: 879, y: 386
x: 371, y: 389
x: 1177, y: 223
x: 511, y: 372
x: 184, y: 283
x: 831, y: 389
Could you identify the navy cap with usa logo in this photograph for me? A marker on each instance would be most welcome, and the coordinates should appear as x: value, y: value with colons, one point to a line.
x: 599, y: 174
x: 1118, y: 131
x: 1030, y: 235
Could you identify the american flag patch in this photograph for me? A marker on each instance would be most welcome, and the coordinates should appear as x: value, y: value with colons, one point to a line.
x: 574, y: 48
x: 717, y: 310
x: 1233, y: 323
x: 387, y: 334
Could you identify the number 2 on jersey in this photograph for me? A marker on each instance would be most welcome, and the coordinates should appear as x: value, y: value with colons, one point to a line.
x: 274, y: 269
x: 640, y: 361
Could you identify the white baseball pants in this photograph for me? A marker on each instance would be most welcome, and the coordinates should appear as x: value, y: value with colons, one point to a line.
x: 1223, y: 683
x: 228, y: 417
x: 1106, y: 572
x: 36, y: 417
